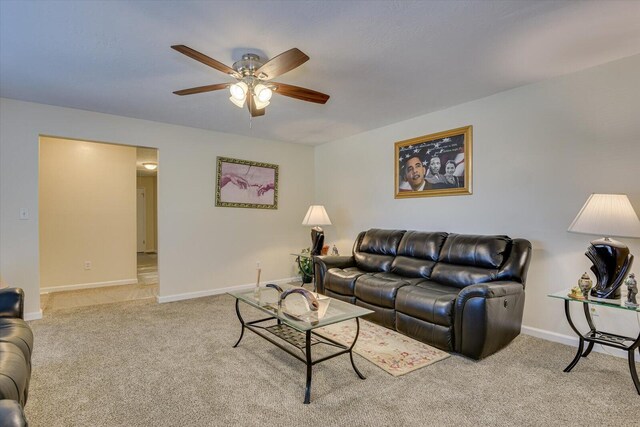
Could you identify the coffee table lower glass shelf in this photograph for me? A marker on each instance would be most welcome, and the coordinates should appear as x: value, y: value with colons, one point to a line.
x: 292, y: 327
x: 594, y: 336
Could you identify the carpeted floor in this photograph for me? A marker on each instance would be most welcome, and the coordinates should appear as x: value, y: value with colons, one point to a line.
x: 146, y: 364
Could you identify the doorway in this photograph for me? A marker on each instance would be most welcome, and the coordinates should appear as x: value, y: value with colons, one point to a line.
x: 89, y: 232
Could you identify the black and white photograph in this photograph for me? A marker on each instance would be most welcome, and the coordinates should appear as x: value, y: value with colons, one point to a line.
x: 438, y: 164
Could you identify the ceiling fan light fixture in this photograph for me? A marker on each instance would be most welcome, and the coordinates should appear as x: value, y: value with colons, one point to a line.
x: 239, y: 91
x: 260, y: 104
x: 262, y: 92
x: 237, y: 102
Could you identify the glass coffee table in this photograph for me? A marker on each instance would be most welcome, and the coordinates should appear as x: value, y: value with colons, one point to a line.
x: 291, y: 328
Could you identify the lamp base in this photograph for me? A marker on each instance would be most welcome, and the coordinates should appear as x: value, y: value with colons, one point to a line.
x: 317, y: 240
x: 611, y: 263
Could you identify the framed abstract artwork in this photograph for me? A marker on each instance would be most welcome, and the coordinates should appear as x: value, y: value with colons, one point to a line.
x: 434, y: 165
x: 246, y: 184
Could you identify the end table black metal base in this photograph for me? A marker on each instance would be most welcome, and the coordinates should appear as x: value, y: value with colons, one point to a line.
x: 604, y: 338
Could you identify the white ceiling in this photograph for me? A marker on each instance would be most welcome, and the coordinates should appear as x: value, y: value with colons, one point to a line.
x: 381, y: 61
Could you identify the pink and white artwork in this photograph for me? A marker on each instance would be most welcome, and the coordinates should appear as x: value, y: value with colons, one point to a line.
x: 246, y: 184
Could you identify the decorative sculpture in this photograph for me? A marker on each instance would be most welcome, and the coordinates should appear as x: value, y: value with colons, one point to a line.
x: 632, y: 291
x: 312, y: 301
x: 585, y: 284
x: 317, y: 239
x: 611, y: 262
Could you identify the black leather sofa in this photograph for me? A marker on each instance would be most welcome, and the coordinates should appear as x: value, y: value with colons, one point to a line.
x: 461, y: 293
x: 16, y: 343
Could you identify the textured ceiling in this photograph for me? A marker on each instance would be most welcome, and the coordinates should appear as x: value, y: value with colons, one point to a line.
x: 381, y: 61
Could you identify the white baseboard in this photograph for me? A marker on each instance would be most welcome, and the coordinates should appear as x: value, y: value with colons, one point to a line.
x: 218, y: 291
x: 34, y: 315
x: 50, y: 289
x: 569, y: 340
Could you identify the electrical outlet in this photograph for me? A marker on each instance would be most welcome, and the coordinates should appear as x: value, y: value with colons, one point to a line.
x: 87, y: 265
x: 257, y: 264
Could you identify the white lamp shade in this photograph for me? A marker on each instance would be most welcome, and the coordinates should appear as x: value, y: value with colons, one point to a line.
x: 237, y: 102
x: 262, y: 92
x: 607, y: 215
x: 239, y: 90
x: 316, y: 215
x: 260, y: 104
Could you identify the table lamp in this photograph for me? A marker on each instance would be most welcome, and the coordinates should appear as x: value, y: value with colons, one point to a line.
x: 608, y: 215
x: 316, y: 216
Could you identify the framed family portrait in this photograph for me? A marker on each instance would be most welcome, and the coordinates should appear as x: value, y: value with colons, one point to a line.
x: 434, y: 165
x: 246, y: 184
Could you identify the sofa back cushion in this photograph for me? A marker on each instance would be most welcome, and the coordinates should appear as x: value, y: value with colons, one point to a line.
x: 475, y: 251
x: 417, y: 253
x: 377, y: 249
x: 468, y: 259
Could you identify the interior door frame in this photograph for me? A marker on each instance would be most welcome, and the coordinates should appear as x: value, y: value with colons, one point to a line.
x: 141, y: 214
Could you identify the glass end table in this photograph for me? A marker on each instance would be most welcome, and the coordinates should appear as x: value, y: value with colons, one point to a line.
x: 594, y: 336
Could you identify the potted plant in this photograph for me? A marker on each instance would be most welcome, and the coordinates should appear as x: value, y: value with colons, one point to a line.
x: 305, y: 266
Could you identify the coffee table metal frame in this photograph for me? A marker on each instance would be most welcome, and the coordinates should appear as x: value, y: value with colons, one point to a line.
x: 287, y: 328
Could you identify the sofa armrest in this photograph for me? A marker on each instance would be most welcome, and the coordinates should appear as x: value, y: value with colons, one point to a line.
x: 488, y: 316
x: 321, y: 264
x: 12, y: 303
x: 11, y: 414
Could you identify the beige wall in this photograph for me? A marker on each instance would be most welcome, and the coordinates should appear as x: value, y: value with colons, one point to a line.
x: 87, y: 213
x: 149, y: 185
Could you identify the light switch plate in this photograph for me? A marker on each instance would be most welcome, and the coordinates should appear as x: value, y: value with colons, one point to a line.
x: 24, y: 213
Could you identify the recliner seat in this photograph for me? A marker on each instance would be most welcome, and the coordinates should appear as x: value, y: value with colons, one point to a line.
x: 462, y: 293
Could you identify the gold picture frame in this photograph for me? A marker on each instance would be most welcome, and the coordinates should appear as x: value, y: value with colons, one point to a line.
x: 246, y: 184
x: 439, y: 164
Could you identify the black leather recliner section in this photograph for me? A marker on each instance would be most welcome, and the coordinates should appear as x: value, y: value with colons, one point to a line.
x: 16, y: 344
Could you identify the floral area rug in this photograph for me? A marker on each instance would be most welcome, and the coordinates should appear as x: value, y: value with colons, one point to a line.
x: 387, y: 349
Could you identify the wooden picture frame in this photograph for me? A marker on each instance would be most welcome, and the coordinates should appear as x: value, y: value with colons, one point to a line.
x: 439, y: 164
x: 246, y: 184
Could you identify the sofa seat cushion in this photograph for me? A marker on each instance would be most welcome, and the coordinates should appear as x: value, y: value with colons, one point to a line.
x: 342, y: 281
x: 399, y: 278
x: 379, y: 291
x: 428, y: 301
x: 14, y: 373
x: 18, y: 333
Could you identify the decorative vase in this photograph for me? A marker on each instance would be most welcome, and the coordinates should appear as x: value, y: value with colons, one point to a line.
x: 585, y: 284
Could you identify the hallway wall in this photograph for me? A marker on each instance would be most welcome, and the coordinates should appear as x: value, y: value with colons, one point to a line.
x: 87, y: 211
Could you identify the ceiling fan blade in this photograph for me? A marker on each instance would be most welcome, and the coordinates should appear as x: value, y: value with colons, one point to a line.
x: 201, y: 57
x: 282, y: 63
x: 201, y: 89
x: 252, y: 108
x: 300, y: 93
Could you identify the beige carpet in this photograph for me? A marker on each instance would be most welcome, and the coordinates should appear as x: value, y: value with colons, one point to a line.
x: 394, y: 353
x: 149, y: 364
x: 146, y: 288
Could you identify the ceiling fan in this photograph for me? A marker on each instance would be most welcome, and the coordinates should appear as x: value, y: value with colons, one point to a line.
x: 254, y: 86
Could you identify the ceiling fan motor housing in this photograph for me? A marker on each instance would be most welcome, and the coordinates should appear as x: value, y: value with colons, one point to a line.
x: 248, y: 64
